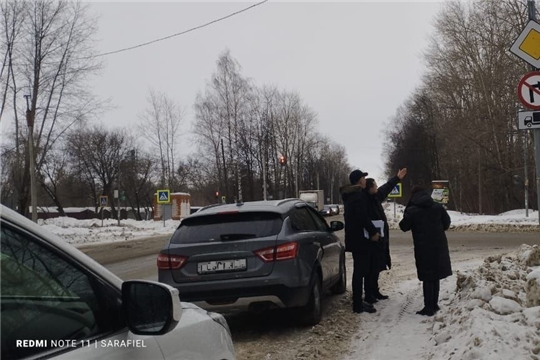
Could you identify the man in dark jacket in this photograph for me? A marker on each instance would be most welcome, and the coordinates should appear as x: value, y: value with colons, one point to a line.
x: 359, y: 232
x: 381, y: 248
x: 428, y: 221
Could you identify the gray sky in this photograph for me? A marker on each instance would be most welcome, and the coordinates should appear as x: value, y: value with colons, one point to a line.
x: 353, y: 63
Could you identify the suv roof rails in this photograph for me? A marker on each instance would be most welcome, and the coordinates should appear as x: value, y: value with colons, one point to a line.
x: 286, y: 200
x: 210, y: 206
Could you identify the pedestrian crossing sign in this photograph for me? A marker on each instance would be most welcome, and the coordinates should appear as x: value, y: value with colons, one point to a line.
x: 396, y: 191
x: 103, y: 200
x: 163, y: 196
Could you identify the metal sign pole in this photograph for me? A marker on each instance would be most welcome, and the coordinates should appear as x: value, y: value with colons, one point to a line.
x: 395, y: 208
x: 537, y: 156
x: 532, y: 16
x: 526, y: 176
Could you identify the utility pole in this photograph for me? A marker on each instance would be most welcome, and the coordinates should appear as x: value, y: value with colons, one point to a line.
x: 33, y: 191
x: 525, y: 176
x: 264, y: 157
x: 224, y: 172
x: 332, y: 189
x: 479, y: 184
x: 532, y: 16
x: 238, y: 178
x: 296, y: 180
x: 264, y: 173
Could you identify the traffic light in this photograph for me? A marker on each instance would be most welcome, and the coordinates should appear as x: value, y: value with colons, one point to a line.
x: 283, y: 160
x: 217, y: 194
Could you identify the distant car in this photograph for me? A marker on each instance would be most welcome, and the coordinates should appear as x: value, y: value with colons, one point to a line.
x: 326, y: 210
x: 335, y: 209
x: 256, y: 256
x: 57, y: 303
x: 194, y: 209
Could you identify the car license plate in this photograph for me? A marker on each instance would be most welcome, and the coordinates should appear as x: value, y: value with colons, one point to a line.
x: 221, y: 266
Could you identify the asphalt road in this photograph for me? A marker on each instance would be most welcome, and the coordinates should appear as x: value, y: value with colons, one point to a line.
x: 136, y: 259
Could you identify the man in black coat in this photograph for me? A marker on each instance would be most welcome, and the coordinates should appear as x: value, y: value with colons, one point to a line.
x: 381, y: 249
x: 428, y: 221
x: 359, y: 232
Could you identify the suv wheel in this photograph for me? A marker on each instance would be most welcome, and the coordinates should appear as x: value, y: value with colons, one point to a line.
x: 341, y: 286
x: 311, y: 313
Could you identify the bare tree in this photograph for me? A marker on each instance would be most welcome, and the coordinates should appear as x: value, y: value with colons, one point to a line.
x: 160, y: 124
x: 47, y: 47
x: 53, y: 173
x: 460, y: 124
x: 137, y: 172
x: 100, y: 154
x: 225, y: 104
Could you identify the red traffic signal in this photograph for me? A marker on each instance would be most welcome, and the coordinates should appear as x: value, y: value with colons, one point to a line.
x: 283, y: 160
x: 217, y: 193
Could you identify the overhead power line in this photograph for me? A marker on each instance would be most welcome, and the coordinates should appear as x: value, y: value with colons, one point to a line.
x: 180, y: 33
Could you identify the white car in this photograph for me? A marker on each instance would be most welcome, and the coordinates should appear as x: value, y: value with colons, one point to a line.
x: 57, y: 303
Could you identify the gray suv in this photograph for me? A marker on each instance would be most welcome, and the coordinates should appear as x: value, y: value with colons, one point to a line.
x: 255, y: 256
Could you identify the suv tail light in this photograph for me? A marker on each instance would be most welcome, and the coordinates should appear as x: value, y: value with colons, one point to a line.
x: 173, y: 262
x: 280, y: 252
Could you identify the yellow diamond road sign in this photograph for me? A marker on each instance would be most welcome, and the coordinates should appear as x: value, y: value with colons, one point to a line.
x: 531, y: 44
x: 527, y: 45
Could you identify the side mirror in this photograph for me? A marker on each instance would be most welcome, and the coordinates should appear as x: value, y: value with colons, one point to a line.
x: 336, y: 226
x: 150, y: 308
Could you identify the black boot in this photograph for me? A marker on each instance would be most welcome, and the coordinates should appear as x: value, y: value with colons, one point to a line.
x: 376, y: 293
x: 365, y: 307
x: 357, y: 289
x: 428, y: 299
x: 436, y: 288
x: 371, y: 281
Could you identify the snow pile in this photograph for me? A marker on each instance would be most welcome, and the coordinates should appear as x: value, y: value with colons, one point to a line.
x: 494, y: 312
x: 90, y: 231
x: 510, y: 221
x: 393, y: 222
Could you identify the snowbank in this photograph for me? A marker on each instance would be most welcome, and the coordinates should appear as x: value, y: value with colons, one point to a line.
x: 510, y: 221
x: 78, y: 232
x: 90, y: 231
x: 494, y: 312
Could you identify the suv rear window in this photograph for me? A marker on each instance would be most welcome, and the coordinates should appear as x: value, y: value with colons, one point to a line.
x: 227, y: 227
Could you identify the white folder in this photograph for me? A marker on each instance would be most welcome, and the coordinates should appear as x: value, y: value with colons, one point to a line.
x: 379, y: 224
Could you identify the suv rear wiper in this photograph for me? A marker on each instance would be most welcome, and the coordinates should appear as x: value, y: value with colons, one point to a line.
x: 238, y: 236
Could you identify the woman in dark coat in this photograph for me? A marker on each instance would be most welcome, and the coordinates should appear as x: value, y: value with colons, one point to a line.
x: 381, y: 249
x: 428, y: 221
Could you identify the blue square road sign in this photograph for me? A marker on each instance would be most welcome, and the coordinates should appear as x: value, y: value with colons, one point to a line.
x: 396, y: 191
x: 163, y: 196
x: 103, y: 200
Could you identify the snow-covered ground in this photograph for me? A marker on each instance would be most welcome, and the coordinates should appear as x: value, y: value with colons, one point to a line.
x: 489, y: 310
x: 78, y: 232
x: 515, y: 220
x: 90, y: 231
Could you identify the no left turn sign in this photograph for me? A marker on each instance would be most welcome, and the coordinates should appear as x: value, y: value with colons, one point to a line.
x: 529, y: 90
